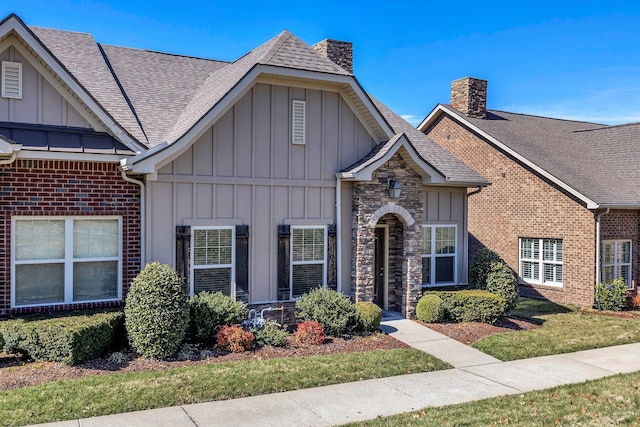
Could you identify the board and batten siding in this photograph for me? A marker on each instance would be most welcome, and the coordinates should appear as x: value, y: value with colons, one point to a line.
x: 449, y: 206
x: 41, y: 103
x: 244, y: 170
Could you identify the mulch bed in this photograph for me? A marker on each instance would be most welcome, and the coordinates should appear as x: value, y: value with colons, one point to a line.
x: 470, y: 332
x: 15, y: 374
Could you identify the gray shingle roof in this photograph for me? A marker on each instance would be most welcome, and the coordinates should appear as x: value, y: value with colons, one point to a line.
x: 598, y: 161
x: 80, y: 55
x: 433, y: 154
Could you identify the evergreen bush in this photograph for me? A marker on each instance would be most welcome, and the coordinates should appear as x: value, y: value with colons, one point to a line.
x: 501, y: 281
x: 156, y: 312
x: 331, y: 309
x: 612, y: 295
x: 430, y: 309
x: 473, y: 305
x: 272, y: 334
x: 367, y: 316
x: 481, y: 266
x: 210, y: 311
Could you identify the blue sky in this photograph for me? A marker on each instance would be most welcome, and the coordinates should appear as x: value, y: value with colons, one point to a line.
x: 568, y: 59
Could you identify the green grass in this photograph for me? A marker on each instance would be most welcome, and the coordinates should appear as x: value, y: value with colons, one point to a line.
x: 117, y: 393
x: 610, y: 401
x: 562, y: 331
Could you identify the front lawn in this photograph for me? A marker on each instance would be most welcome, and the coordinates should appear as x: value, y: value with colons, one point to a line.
x: 609, y: 401
x: 563, y: 331
x: 117, y: 393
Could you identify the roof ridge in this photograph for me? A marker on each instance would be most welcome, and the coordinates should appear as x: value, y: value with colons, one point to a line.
x: 607, y: 127
x: 179, y: 55
x: 540, y: 116
x: 280, y: 40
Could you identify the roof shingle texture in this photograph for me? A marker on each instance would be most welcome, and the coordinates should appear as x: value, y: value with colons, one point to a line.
x: 598, y: 161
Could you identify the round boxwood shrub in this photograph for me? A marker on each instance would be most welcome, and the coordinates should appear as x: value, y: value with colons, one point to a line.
x: 272, y: 334
x: 210, y: 311
x: 331, y: 309
x: 474, y: 305
x: 430, y: 309
x: 368, y: 316
x: 501, y: 281
x: 480, y: 267
x: 156, y: 311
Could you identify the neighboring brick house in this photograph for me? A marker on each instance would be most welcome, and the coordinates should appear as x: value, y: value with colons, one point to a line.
x: 563, y: 207
x: 261, y: 178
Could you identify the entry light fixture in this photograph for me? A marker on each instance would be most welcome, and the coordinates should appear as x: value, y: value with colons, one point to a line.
x: 394, y: 188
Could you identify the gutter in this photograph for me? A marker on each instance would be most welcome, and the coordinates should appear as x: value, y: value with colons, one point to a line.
x: 476, y: 191
x: 598, y: 217
x: 143, y: 239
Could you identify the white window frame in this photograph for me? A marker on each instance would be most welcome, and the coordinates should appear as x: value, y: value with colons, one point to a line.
x: 615, y: 264
x: 5, y: 66
x: 433, y: 256
x: 298, y: 122
x: 68, y: 259
x: 540, y: 261
x: 292, y: 262
x: 193, y: 267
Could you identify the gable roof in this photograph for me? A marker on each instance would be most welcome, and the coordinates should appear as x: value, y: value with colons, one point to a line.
x: 591, y: 161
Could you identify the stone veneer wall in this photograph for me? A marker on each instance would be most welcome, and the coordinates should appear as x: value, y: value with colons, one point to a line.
x: 339, y: 52
x: 469, y: 96
x: 371, y: 202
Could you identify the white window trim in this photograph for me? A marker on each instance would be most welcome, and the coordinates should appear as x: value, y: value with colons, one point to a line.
x: 5, y: 66
x: 432, y: 280
x: 617, y: 264
x: 292, y: 262
x: 193, y: 267
x: 297, y: 104
x: 541, y: 262
x: 68, y: 260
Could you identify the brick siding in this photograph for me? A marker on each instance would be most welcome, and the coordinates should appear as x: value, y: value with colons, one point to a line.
x: 518, y: 204
x: 67, y: 188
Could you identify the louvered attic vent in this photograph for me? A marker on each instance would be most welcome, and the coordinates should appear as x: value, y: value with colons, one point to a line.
x: 298, y: 122
x: 11, y: 80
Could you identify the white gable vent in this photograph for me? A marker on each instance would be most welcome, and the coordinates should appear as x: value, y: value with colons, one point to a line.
x: 11, y: 80
x: 298, y: 120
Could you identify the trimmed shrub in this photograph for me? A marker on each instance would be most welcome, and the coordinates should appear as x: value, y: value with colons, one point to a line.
x: 272, y: 334
x: 309, y: 333
x: 501, y: 281
x: 473, y: 305
x: 612, y: 295
x: 210, y: 311
x: 368, y: 316
x: 430, y: 309
x: 331, y: 309
x: 70, y: 339
x: 235, y: 339
x: 480, y: 267
x: 156, y: 312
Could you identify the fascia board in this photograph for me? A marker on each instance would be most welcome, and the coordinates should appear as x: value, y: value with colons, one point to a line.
x: 590, y: 204
x: 14, y: 24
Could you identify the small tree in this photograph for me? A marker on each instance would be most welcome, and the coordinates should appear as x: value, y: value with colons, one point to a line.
x: 501, y: 281
x: 156, y: 311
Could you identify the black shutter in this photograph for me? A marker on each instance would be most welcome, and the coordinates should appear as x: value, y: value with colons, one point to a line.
x: 242, y: 263
x: 284, y: 259
x: 183, y: 249
x: 332, y: 261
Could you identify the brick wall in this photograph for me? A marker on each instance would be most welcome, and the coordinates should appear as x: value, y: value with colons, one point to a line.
x: 521, y: 204
x: 623, y: 225
x: 67, y: 188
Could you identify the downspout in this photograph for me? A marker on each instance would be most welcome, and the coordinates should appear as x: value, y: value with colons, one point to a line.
x: 10, y: 159
x: 143, y: 242
x: 338, y: 233
x: 476, y: 191
x: 598, y: 216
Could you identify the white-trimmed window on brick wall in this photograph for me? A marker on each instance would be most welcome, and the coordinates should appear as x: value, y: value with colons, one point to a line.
x: 541, y: 261
x: 65, y: 260
x: 616, y: 260
x: 212, y: 260
x: 308, y: 259
x: 298, y: 121
x: 439, y: 255
x: 11, y: 80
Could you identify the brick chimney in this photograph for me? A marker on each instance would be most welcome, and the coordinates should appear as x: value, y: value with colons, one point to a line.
x: 339, y: 52
x: 469, y: 96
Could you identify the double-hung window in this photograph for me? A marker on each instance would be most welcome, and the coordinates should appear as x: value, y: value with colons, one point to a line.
x: 616, y: 260
x: 60, y: 260
x: 541, y: 261
x: 439, y: 253
x: 308, y: 259
x: 212, y: 260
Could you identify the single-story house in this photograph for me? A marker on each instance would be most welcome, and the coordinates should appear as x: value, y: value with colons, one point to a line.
x: 261, y: 178
x: 564, y: 205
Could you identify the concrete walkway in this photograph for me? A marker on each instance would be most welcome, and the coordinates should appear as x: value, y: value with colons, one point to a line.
x: 475, y: 376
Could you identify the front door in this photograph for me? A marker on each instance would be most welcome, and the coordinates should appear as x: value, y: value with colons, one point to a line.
x: 379, y: 270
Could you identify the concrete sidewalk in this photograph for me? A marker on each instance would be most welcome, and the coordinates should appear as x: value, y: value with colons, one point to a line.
x: 476, y: 376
